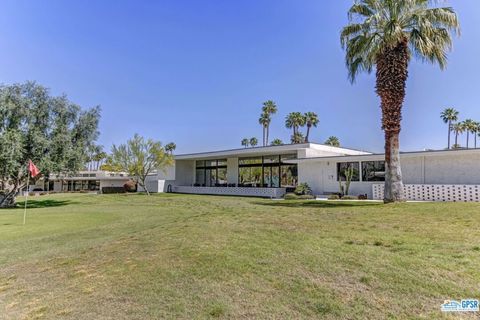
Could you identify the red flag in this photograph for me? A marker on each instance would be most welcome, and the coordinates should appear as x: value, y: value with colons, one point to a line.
x: 32, y: 169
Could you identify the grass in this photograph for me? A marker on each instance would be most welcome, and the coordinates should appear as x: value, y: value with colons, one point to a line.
x: 200, y: 257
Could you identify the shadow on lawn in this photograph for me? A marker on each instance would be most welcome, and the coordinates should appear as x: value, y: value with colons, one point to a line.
x: 316, y: 204
x: 47, y: 203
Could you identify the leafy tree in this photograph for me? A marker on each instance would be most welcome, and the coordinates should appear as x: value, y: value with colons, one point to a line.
x: 475, y: 131
x: 468, y: 126
x: 458, y: 128
x: 332, y: 141
x: 311, y: 120
x: 449, y: 116
x: 264, y: 120
x: 253, y: 141
x: 297, y: 138
x: 53, y: 132
x: 269, y: 108
x: 245, y: 142
x: 276, y: 142
x: 170, y: 147
x: 295, y: 120
x: 385, y: 34
x: 140, y: 157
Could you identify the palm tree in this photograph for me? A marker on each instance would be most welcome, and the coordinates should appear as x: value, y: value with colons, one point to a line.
x: 253, y: 141
x: 170, y: 147
x: 269, y: 108
x: 295, y: 120
x: 245, y: 142
x: 332, y: 141
x: 458, y: 128
x: 276, y: 142
x: 297, y: 137
x: 448, y: 116
x: 468, y: 126
x: 385, y: 34
x: 264, y: 120
x: 311, y: 119
x: 475, y: 130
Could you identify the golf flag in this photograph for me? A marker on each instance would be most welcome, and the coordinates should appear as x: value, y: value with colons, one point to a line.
x: 32, y: 168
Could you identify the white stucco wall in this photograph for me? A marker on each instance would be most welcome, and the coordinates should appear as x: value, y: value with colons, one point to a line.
x: 458, y: 168
x: 184, y: 172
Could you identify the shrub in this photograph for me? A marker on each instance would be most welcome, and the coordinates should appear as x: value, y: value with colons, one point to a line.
x: 293, y: 196
x: 130, y: 186
x: 333, y: 197
x: 107, y: 190
x: 303, y: 189
x: 349, y: 198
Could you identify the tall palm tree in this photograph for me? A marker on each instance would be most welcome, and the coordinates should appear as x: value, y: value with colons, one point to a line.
x: 468, y: 126
x: 449, y: 115
x: 458, y: 128
x: 245, y: 142
x: 269, y: 108
x: 170, y: 147
x: 264, y: 120
x: 276, y: 142
x: 475, y: 130
x: 332, y: 141
x: 311, y: 120
x: 385, y: 34
x: 253, y: 141
x: 294, y: 120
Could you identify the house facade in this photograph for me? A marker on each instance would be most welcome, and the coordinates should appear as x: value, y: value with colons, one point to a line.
x: 274, y: 170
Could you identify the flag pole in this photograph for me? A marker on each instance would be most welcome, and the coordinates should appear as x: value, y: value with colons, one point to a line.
x: 26, y: 198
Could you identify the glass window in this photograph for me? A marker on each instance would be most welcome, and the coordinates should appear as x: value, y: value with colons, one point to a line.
x: 222, y: 176
x: 342, y: 168
x: 271, y: 159
x: 288, y: 157
x: 246, y: 161
x: 271, y: 177
x: 200, y: 177
x: 200, y: 163
x: 222, y: 162
x: 250, y: 176
x: 373, y: 171
x: 289, y: 176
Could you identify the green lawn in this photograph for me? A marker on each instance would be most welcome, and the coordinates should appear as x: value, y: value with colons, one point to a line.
x: 182, y: 257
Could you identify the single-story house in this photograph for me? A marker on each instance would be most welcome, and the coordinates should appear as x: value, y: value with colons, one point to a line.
x: 447, y: 175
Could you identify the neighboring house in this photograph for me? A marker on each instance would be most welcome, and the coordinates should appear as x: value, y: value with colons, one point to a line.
x: 271, y: 171
x: 92, y: 181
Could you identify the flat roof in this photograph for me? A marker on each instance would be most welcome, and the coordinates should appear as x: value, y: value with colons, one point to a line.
x: 408, y: 154
x: 280, y: 149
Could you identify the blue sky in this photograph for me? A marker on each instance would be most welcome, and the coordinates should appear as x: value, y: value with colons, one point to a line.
x: 197, y: 72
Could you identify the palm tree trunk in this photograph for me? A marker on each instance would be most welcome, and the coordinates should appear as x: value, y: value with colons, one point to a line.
x: 475, y: 140
x: 449, y: 130
x: 268, y: 131
x: 467, y: 138
x: 392, y: 73
x: 308, y: 133
x: 456, y: 139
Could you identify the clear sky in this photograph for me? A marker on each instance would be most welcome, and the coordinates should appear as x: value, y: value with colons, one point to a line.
x: 197, y: 72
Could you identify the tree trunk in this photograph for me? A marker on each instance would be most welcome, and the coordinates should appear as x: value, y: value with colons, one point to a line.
x: 467, y: 138
x: 392, y: 73
x: 456, y: 139
x: 266, y: 139
x: 308, y: 133
x: 449, y: 130
x: 8, y: 200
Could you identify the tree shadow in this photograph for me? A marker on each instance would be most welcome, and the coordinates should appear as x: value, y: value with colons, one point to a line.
x: 47, y: 203
x: 316, y: 204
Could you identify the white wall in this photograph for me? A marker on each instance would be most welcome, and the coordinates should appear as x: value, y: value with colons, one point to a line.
x: 321, y: 175
x: 184, y: 172
x: 232, y: 170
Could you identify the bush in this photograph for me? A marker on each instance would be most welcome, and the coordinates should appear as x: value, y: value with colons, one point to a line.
x: 130, y: 186
x: 349, y: 198
x: 333, y: 197
x: 303, y: 189
x: 107, y: 190
x: 293, y: 196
